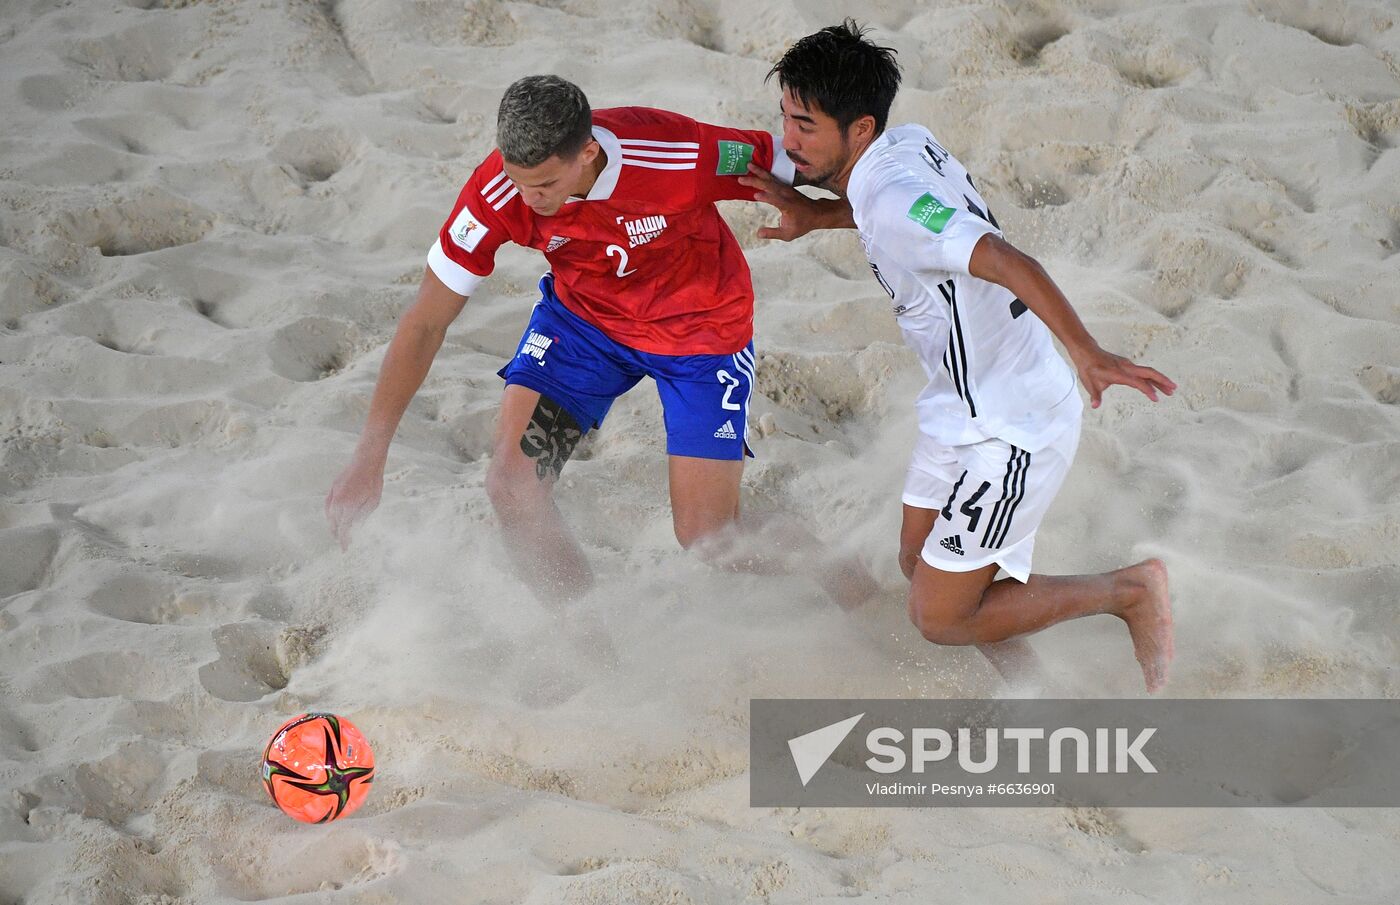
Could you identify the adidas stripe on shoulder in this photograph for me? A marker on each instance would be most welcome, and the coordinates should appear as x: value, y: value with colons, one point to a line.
x: 499, y: 191
x: 659, y: 155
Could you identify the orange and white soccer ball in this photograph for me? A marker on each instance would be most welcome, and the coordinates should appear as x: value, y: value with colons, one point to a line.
x: 318, y: 767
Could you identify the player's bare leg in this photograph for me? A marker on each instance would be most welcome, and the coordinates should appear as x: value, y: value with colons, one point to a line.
x: 1013, y: 659
x: 704, y: 497
x: 705, y: 512
x: 970, y: 608
x: 534, y: 438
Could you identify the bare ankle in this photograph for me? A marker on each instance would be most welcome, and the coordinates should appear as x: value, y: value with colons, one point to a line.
x: 1134, y: 585
x: 1129, y: 590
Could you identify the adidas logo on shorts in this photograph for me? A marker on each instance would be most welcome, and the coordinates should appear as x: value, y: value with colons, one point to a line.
x: 726, y: 432
x: 953, y: 543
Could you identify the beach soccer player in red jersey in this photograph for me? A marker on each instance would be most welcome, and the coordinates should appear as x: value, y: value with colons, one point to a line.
x: 999, y: 419
x: 645, y: 280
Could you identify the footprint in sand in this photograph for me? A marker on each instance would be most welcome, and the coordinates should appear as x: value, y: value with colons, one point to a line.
x: 25, y: 555
x: 152, y: 222
x: 314, y: 155
x: 295, y: 862
x: 146, y: 53
x: 106, y: 674
x: 112, y: 789
x: 248, y: 667
x: 313, y: 348
x: 149, y: 599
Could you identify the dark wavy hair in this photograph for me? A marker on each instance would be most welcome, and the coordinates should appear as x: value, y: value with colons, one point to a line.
x: 842, y: 73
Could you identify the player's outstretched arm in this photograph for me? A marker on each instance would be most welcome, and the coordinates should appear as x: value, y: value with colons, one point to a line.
x: 800, y: 214
x: 356, y: 491
x: 998, y: 261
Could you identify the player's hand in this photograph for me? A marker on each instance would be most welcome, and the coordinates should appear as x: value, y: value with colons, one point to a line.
x: 800, y: 214
x: 354, y: 495
x: 1099, y: 369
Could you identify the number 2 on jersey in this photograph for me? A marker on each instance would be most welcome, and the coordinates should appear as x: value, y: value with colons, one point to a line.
x: 622, y: 270
x: 731, y: 383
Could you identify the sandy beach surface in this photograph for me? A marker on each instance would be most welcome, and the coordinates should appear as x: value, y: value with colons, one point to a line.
x: 212, y: 215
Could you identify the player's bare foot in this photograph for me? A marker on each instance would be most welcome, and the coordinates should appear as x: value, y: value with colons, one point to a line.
x: 1147, y: 609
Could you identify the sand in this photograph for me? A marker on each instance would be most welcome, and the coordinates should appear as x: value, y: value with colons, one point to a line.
x: 211, y: 216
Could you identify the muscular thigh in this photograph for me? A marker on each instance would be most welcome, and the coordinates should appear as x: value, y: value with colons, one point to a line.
x: 705, y: 401
x: 914, y: 530
x: 953, y: 596
x: 704, y: 495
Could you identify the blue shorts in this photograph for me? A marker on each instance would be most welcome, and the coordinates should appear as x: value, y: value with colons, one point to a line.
x: 704, y: 398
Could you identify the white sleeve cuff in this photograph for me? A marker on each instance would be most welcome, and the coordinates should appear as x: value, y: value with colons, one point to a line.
x: 959, y: 243
x: 783, y: 168
x: 453, y: 275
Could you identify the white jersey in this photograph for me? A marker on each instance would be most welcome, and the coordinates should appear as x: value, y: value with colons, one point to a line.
x: 992, y: 366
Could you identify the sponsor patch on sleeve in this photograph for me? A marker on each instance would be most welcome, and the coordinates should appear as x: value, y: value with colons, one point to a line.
x: 930, y: 213
x: 734, y: 157
x: 467, y: 231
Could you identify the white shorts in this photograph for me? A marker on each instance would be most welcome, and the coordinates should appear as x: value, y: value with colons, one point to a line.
x: 990, y: 496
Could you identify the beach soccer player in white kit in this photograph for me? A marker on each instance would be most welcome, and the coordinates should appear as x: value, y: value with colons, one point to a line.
x: 1000, y: 417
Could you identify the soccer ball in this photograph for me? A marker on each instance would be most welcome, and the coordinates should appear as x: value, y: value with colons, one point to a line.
x: 318, y: 767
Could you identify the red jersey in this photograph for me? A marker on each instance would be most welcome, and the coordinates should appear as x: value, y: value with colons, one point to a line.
x: 645, y: 257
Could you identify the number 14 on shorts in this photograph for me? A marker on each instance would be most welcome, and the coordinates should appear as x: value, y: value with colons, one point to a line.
x: 969, y: 507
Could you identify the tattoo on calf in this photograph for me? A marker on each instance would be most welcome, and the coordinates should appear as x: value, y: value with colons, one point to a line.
x: 550, y: 438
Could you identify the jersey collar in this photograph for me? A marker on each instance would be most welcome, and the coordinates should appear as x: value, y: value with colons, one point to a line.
x: 607, y: 180
x: 855, y: 185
